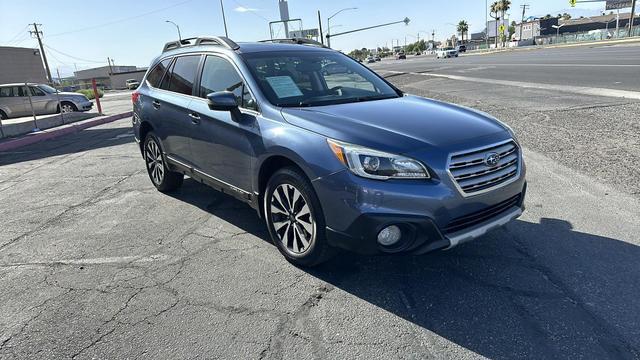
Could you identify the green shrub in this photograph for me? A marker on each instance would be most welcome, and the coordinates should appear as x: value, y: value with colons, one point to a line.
x: 89, y: 93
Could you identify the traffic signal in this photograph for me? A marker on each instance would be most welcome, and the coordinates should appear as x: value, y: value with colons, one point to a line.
x: 573, y: 3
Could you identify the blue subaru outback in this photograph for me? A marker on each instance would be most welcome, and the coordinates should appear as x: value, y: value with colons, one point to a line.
x: 329, y: 153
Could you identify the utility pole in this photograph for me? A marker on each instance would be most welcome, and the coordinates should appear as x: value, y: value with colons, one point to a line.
x: 110, y: 68
x: 633, y: 15
x: 59, y: 79
x: 320, y: 28
x: 224, y: 20
x: 44, y: 56
x: 524, y: 8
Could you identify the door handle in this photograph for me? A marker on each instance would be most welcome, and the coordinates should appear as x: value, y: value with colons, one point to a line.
x: 195, y: 117
x: 156, y: 104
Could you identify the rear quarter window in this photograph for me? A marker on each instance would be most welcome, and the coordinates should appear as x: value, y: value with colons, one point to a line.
x: 155, y: 75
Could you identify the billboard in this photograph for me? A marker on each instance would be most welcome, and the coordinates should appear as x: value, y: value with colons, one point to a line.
x: 618, y: 4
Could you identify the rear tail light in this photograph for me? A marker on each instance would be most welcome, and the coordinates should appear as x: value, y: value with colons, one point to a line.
x: 134, y: 97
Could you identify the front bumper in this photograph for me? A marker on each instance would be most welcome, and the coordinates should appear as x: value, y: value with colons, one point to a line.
x: 84, y: 105
x: 431, y: 216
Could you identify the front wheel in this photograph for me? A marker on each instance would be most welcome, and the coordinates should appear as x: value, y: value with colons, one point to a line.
x: 67, y: 107
x: 294, y: 218
x: 162, y: 178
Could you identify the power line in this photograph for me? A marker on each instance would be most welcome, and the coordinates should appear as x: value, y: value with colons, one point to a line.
x: 73, y: 57
x: 17, y: 35
x: 120, y: 20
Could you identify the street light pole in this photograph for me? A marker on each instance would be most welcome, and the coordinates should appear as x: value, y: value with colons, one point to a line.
x: 177, y: 27
x: 329, y: 26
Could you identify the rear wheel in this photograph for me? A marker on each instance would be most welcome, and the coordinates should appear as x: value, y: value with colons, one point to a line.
x: 162, y: 178
x: 3, y: 116
x: 294, y: 218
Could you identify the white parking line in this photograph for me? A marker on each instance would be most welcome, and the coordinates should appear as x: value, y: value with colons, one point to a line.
x: 593, y: 91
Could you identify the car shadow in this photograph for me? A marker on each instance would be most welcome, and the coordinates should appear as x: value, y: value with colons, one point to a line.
x: 87, y: 139
x: 527, y: 290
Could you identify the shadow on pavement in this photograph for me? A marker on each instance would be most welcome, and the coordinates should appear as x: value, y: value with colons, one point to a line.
x: 525, y: 291
x: 88, y: 139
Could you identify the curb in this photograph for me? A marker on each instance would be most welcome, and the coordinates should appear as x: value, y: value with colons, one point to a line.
x: 60, y: 131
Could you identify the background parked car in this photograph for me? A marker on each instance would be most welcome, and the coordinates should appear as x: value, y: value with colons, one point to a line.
x: 461, y: 48
x: 132, y: 84
x: 370, y: 60
x: 401, y: 56
x: 14, y: 100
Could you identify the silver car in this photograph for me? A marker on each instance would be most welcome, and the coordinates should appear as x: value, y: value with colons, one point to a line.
x: 14, y: 100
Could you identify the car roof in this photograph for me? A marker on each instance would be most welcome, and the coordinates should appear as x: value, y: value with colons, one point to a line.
x: 19, y: 84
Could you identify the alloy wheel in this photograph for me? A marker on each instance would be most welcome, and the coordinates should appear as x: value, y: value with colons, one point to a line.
x: 155, y: 164
x: 292, y: 219
x: 66, y: 108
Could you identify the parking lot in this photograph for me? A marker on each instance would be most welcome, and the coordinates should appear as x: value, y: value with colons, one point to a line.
x: 95, y: 263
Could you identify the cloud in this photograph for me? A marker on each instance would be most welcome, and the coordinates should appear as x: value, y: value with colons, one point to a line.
x: 245, y: 9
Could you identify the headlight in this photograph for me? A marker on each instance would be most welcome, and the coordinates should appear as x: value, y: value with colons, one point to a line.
x: 375, y: 164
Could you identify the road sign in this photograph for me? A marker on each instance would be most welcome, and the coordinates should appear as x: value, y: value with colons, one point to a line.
x: 304, y: 33
x: 618, y: 4
x: 501, y: 28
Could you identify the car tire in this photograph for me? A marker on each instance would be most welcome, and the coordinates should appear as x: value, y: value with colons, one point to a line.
x: 160, y: 175
x: 3, y: 116
x: 294, y: 218
x: 67, y: 107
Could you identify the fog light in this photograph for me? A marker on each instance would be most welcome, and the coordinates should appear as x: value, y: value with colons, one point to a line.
x: 389, y: 235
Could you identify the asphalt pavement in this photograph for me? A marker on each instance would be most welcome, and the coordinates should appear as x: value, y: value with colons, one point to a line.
x: 95, y: 263
x: 611, y: 67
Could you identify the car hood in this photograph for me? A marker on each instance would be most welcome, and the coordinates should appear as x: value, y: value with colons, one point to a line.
x: 399, y: 125
x: 67, y: 93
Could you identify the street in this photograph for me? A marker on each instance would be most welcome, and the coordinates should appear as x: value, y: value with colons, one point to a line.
x: 95, y: 263
x: 612, y: 67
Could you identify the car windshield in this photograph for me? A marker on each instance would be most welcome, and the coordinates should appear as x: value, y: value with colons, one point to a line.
x: 315, y: 78
x: 46, y: 88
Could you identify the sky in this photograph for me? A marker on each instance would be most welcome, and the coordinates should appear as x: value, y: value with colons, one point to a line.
x: 82, y: 34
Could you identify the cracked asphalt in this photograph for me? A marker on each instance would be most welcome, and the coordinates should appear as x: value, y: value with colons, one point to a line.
x: 96, y: 264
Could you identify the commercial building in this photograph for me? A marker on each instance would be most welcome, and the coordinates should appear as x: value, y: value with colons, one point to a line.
x: 604, y: 22
x: 534, y: 28
x: 20, y: 65
x: 101, y: 74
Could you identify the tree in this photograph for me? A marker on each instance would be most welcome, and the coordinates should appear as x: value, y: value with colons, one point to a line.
x: 504, y: 6
x: 463, y: 28
x: 566, y: 16
x: 512, y: 29
x: 493, y: 12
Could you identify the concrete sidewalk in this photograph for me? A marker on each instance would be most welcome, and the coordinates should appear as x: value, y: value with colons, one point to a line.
x: 631, y: 40
x: 42, y: 135
x: 113, y: 104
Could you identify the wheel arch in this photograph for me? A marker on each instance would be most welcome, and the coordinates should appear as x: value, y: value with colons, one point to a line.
x: 145, y: 128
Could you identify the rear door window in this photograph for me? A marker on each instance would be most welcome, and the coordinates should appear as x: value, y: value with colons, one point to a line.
x: 35, y: 91
x: 183, y: 74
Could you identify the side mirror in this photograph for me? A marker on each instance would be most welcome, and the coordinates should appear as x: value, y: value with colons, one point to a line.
x: 222, y: 101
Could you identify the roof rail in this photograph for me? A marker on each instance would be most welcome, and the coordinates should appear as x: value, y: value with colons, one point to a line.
x: 299, y: 41
x: 201, y: 40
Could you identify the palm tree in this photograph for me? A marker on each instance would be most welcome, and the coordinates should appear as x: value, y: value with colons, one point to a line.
x: 504, y: 6
x: 493, y: 12
x: 463, y: 28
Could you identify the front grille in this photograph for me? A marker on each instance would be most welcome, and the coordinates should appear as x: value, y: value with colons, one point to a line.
x: 477, y: 217
x: 471, y: 173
